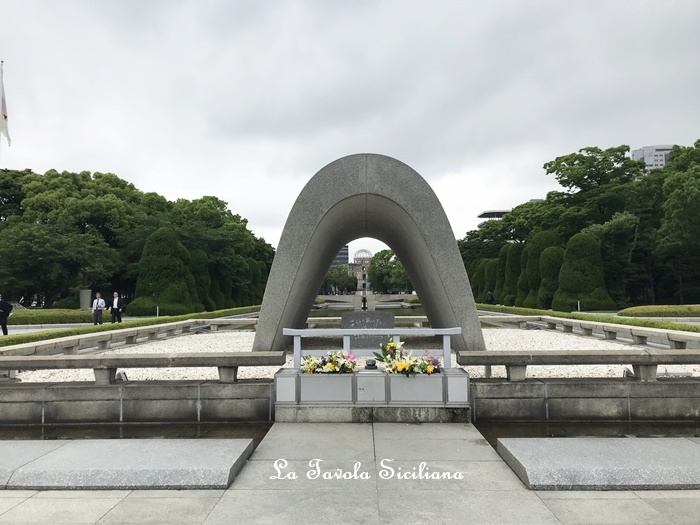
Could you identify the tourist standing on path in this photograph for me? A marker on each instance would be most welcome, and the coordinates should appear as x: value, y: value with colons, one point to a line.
x: 5, y: 311
x: 117, y: 308
x: 97, y: 306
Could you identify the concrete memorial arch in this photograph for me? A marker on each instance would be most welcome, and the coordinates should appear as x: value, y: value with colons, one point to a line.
x: 367, y: 195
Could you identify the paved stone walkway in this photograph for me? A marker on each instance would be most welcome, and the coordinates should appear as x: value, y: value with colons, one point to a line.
x: 488, y: 493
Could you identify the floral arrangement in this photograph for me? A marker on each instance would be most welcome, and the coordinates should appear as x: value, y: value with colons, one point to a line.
x: 396, y: 361
x: 334, y: 363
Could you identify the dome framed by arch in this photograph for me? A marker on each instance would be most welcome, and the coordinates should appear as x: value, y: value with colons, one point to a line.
x: 367, y: 195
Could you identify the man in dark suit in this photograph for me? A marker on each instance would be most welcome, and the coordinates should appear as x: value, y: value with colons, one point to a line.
x: 5, y: 310
x: 116, y: 308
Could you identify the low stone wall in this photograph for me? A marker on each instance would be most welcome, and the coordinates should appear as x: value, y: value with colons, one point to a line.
x: 554, y: 400
x: 585, y: 399
x: 136, y: 402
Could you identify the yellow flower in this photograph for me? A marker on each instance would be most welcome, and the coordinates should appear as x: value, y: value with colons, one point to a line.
x: 330, y: 366
x: 430, y: 369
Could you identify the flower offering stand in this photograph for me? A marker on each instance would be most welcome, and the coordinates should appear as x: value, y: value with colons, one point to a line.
x: 371, y: 395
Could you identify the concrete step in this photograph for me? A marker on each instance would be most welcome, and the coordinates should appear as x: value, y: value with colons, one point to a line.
x: 122, y: 463
x: 591, y: 463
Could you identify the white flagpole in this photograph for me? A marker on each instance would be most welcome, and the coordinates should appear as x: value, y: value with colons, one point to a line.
x: 4, y: 129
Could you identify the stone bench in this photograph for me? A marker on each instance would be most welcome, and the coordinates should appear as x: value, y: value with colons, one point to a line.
x: 643, y: 361
x: 105, y: 367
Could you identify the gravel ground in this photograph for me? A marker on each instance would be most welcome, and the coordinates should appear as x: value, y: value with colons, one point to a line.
x: 496, y: 339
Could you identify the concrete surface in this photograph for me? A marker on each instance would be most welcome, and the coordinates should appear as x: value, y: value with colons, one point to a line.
x: 489, y: 493
x: 124, y: 463
x: 367, y: 195
x: 592, y: 463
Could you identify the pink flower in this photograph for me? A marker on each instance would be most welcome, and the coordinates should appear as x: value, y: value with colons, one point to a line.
x: 350, y: 357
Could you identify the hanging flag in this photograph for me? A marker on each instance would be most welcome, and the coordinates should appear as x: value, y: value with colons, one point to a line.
x: 4, y: 129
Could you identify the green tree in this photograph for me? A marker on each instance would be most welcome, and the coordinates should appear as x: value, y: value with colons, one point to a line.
x: 483, y: 243
x: 598, y: 181
x: 581, y: 277
x: 386, y: 273
x: 617, y: 238
x: 680, y: 230
x: 379, y: 271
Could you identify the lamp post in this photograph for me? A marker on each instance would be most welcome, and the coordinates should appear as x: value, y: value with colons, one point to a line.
x: 364, y: 290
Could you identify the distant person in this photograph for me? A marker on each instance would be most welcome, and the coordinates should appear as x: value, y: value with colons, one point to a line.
x: 489, y: 297
x: 116, y: 308
x: 97, y: 306
x: 5, y: 312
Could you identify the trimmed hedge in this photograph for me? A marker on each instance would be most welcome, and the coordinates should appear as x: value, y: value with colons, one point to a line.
x: 510, y: 285
x: 551, y: 260
x: 490, y: 276
x: 647, y: 323
x: 523, y: 287
x: 165, y: 278
x: 479, y: 281
x: 539, y: 242
x: 581, y: 277
x: 671, y: 310
x: 412, y: 300
x: 54, y: 334
x: 501, y: 273
x: 49, y: 316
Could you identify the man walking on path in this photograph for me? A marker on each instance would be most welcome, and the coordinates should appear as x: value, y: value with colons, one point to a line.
x: 117, y: 308
x: 97, y: 306
x: 5, y: 310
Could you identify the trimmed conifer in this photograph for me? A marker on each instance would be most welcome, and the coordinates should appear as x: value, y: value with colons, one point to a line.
x: 581, y: 277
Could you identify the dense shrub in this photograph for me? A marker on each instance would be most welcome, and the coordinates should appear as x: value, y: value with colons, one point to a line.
x: 626, y: 321
x: 478, y: 280
x: 523, y: 287
x: 490, y: 276
x: 501, y: 273
x: 52, y: 334
x: 551, y: 260
x: 165, y: 278
x: 539, y: 242
x: 510, y: 285
x: 49, y: 316
x: 71, y: 302
x: 199, y: 261
x: 581, y: 277
x: 687, y: 310
x: 471, y: 271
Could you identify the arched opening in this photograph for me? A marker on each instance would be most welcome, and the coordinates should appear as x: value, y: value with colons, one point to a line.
x: 368, y: 196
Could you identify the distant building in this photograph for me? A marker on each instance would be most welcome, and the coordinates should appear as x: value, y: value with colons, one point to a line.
x: 342, y: 257
x: 491, y: 215
x: 361, y: 260
x: 653, y: 156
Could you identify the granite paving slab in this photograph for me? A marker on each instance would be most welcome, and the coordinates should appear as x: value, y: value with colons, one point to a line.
x: 134, y: 464
x: 603, y: 463
x: 14, y: 454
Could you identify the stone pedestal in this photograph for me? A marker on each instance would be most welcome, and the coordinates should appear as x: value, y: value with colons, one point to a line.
x: 85, y: 299
x: 367, y: 320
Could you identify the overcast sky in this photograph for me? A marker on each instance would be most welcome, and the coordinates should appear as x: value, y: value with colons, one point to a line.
x: 247, y: 100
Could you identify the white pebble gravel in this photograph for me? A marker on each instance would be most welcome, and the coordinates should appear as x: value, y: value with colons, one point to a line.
x: 238, y: 341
